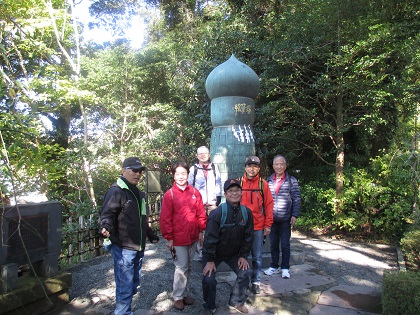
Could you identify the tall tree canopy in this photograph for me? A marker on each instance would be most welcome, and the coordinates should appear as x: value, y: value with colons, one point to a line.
x: 339, y: 93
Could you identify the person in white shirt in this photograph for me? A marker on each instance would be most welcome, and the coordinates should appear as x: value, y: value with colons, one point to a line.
x: 205, y: 176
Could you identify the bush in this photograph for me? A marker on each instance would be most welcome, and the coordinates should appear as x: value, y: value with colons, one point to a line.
x: 410, y: 245
x: 401, y: 293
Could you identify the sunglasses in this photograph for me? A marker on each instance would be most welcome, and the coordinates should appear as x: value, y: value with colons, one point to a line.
x: 135, y: 170
x: 173, y: 253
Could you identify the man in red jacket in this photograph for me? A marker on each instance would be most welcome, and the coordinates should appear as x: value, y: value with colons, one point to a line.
x: 256, y: 195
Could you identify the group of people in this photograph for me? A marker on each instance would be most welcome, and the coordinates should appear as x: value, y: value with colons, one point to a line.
x: 193, y: 219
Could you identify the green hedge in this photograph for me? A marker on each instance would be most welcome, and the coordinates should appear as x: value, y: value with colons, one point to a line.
x: 401, y: 293
x: 410, y: 245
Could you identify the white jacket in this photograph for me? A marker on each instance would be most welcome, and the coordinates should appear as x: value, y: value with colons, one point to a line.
x: 211, y: 187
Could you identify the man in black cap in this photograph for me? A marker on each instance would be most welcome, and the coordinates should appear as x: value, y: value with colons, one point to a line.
x: 257, y: 197
x: 124, y: 221
x: 228, y: 239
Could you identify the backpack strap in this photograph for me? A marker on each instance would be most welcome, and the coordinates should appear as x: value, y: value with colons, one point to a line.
x: 224, y: 215
x: 213, y: 167
x: 262, y: 193
x: 261, y: 190
x: 195, y: 174
x: 244, y: 214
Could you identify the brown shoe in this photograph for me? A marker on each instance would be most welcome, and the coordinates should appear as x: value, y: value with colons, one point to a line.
x: 187, y: 300
x: 179, y: 304
x: 239, y: 308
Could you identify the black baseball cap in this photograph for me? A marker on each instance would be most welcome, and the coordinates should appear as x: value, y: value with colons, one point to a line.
x: 252, y: 159
x: 231, y: 182
x: 133, y: 163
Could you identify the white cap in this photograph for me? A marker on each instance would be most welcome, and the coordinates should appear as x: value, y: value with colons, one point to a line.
x: 202, y: 149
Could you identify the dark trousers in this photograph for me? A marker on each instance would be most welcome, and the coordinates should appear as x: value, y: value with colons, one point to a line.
x: 238, y: 294
x: 280, y: 234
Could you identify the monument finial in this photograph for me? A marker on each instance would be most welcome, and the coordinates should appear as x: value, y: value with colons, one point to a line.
x: 232, y: 87
x: 232, y: 78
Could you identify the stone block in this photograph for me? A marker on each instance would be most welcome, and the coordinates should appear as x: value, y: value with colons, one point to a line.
x: 32, y: 298
x: 8, y: 278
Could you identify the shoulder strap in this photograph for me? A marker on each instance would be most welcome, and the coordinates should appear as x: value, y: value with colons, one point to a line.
x: 261, y: 189
x: 244, y: 214
x: 195, y: 174
x: 172, y: 193
x: 224, y: 215
x: 262, y: 192
x: 213, y: 167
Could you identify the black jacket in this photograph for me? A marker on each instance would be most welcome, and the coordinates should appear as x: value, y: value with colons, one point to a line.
x: 228, y: 241
x: 123, y: 214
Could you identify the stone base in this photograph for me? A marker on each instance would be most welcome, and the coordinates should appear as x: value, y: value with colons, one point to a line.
x: 29, y: 296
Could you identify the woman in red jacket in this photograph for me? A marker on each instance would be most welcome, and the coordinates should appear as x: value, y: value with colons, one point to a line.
x: 182, y: 222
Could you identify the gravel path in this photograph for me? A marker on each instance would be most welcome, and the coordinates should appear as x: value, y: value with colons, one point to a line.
x: 348, y: 263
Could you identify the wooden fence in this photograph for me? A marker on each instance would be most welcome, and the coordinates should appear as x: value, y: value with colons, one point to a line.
x: 80, y: 238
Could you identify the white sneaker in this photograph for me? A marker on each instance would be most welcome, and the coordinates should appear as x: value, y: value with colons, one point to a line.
x: 271, y: 271
x: 285, y: 274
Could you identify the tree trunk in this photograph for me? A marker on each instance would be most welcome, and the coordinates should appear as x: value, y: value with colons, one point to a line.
x: 339, y: 160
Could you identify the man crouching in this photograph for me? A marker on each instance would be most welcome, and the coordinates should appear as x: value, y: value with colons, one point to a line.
x: 228, y: 239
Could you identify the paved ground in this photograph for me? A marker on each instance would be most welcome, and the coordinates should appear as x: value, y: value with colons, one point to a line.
x: 335, y: 278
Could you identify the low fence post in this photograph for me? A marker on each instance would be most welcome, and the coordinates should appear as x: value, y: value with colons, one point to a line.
x: 80, y: 239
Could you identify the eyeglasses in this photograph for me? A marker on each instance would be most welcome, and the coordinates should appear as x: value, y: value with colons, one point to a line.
x: 234, y: 191
x: 173, y: 253
x: 135, y: 170
x: 252, y: 166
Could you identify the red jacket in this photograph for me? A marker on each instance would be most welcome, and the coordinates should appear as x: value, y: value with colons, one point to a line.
x: 182, y: 216
x: 251, y: 198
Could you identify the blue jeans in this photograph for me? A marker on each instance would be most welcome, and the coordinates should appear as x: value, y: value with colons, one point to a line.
x: 256, y: 252
x: 238, y: 294
x: 127, y: 273
x: 280, y: 232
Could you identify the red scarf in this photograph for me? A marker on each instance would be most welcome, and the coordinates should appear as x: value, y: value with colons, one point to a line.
x: 280, y: 182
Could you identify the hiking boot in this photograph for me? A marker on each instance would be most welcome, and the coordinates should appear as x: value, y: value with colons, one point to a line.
x: 285, y: 274
x: 187, y: 300
x: 239, y: 308
x: 256, y: 289
x: 179, y: 304
x: 270, y: 271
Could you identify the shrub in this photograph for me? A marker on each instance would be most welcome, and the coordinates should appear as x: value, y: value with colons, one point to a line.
x: 401, y: 293
x: 410, y: 245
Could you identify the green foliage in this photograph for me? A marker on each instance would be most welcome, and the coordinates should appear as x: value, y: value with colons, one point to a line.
x: 316, y: 208
x: 378, y: 199
x: 401, y: 293
x: 410, y: 245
